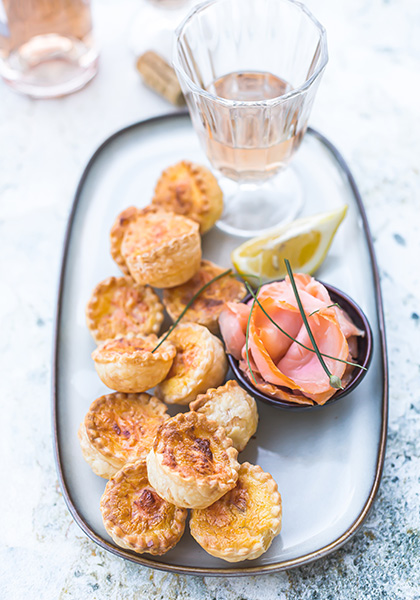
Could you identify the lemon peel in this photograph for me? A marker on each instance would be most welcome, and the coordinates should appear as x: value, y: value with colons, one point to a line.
x: 305, y: 242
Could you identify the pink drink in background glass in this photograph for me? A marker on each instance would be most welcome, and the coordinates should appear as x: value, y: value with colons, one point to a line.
x: 46, y: 46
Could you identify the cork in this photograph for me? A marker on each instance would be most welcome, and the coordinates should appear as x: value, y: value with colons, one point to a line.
x: 160, y: 76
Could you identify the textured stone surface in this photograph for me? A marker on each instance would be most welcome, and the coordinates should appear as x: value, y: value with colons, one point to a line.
x: 368, y: 106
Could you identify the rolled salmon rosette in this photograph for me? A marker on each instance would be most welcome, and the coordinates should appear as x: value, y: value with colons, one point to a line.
x: 283, y: 365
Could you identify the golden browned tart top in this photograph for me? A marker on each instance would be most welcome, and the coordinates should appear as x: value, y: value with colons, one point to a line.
x: 118, y: 230
x: 241, y: 524
x: 119, y: 306
x: 136, y: 517
x: 133, y: 364
x: 195, y: 447
x: 124, y: 426
x: 153, y: 229
x: 155, y: 247
x: 133, y: 348
x: 200, y: 363
x: 209, y: 304
x: 231, y: 407
x: 191, y: 190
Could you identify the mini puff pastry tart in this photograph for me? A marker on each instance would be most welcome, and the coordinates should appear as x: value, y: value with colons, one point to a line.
x: 127, y: 364
x: 119, y: 306
x: 232, y: 408
x: 192, y: 462
x: 242, y: 524
x: 158, y: 248
x: 200, y: 363
x: 136, y: 517
x: 191, y: 190
x: 120, y: 428
x: 118, y: 230
x: 209, y: 304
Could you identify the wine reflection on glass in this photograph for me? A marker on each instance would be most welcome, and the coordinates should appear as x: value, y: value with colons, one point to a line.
x: 249, y: 71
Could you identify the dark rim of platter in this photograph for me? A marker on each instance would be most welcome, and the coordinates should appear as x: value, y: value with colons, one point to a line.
x: 205, y: 571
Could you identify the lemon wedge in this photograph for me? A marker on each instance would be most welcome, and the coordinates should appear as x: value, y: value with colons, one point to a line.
x: 305, y: 242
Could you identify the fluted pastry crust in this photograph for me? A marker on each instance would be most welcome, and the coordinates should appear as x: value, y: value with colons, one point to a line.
x: 158, y: 248
x: 242, y: 524
x: 200, y: 363
x: 192, y: 462
x: 207, y: 307
x: 118, y: 230
x: 136, y: 517
x: 119, y: 306
x: 120, y: 428
x: 191, y: 190
x: 231, y: 407
x: 127, y: 364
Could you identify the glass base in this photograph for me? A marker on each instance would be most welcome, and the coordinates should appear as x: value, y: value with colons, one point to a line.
x: 255, y: 209
x: 51, y: 65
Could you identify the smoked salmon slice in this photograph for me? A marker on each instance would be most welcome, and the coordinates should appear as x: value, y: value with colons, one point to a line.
x: 284, y: 365
x: 233, y: 321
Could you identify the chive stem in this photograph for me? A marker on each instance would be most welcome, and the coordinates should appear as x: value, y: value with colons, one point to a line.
x: 244, y: 275
x: 318, y: 309
x: 335, y: 381
x: 193, y: 299
x: 347, y: 362
x: 247, y: 339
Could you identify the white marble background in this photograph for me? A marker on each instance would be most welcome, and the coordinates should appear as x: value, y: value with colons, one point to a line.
x: 368, y: 105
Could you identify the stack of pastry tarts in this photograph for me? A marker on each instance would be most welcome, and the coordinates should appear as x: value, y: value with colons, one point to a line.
x: 160, y: 466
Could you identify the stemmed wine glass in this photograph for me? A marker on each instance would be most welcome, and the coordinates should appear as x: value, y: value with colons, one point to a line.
x: 249, y: 70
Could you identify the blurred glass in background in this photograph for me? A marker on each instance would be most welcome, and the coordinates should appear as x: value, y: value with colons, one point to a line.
x: 46, y: 46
